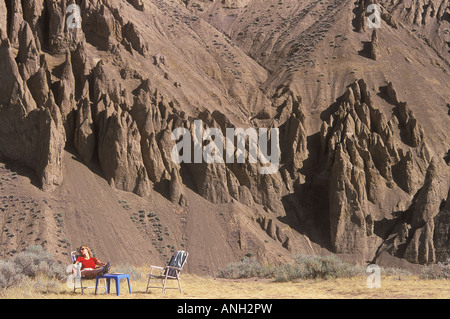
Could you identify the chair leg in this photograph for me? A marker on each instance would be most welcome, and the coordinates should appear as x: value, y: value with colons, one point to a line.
x: 164, y: 284
x: 148, y: 284
x: 76, y: 281
x: 179, y: 285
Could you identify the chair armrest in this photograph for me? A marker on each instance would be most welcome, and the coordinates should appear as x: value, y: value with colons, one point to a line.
x: 176, y: 269
x: 172, y: 267
x: 156, y: 267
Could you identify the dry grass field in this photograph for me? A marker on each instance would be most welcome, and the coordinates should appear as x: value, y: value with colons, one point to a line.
x: 195, y: 287
x: 34, y: 274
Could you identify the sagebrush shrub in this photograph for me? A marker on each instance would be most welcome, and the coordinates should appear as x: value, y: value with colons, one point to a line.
x: 246, y: 268
x: 437, y: 271
x: 316, y: 267
x: 37, y: 261
x: 31, y: 263
x: 303, y: 267
x: 135, y: 274
x: 9, y: 275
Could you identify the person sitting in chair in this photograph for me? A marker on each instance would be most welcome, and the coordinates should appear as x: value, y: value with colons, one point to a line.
x: 89, y: 262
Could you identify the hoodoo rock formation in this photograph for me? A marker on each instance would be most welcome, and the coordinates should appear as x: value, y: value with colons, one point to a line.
x: 89, y: 98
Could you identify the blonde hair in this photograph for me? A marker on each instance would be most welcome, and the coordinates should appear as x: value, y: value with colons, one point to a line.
x: 88, y: 249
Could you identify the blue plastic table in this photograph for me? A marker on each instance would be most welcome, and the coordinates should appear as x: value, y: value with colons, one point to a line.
x: 117, y: 278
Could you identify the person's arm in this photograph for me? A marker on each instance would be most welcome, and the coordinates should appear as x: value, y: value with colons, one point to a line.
x: 99, y: 263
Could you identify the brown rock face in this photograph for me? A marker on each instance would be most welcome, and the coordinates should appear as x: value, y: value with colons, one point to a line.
x: 119, y: 152
x: 374, y: 46
x: 60, y: 36
x: 65, y: 98
x: 441, y: 236
x: 365, y: 157
x: 132, y: 36
x: 30, y: 135
x: 420, y: 248
x: 138, y: 4
x: 347, y: 215
x: 84, y: 135
x: 361, y: 115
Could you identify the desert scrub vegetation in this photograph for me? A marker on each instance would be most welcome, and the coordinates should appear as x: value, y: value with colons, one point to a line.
x: 34, y: 263
x: 317, y: 267
x: 35, y: 271
x: 246, y: 268
x: 306, y: 267
x: 159, y: 234
x: 437, y: 271
x: 134, y: 272
x: 303, y: 267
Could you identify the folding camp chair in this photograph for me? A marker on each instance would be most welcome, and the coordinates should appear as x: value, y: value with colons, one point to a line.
x: 78, y: 278
x: 171, y: 271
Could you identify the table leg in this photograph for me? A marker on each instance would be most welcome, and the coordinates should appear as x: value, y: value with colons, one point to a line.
x: 129, y: 286
x: 96, y: 285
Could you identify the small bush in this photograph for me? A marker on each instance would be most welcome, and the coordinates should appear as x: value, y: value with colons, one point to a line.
x: 289, y: 272
x: 304, y: 267
x: 44, y: 285
x: 36, y: 261
x: 33, y: 263
x: 246, y: 268
x: 317, y: 267
x: 135, y: 274
x: 9, y: 276
x: 437, y: 271
x: 397, y: 272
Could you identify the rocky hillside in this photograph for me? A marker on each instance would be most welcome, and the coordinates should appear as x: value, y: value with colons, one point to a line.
x: 90, y: 96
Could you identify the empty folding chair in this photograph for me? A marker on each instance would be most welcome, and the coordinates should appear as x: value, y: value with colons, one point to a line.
x: 170, y: 272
